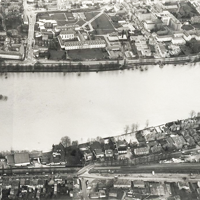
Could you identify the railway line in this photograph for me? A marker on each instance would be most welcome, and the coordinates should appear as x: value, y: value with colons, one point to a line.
x: 39, y: 171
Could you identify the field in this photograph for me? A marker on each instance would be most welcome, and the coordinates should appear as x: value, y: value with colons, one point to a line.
x: 57, y: 55
x: 58, y: 16
x: 85, y: 54
x: 102, y: 25
x: 90, y: 15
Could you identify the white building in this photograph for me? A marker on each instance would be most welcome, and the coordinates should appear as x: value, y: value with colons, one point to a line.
x: 178, y: 40
x: 67, y: 35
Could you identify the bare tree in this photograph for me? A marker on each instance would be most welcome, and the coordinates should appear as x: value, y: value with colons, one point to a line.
x: 132, y: 128
x: 126, y: 129
x: 192, y: 113
x: 136, y: 126
x: 147, y: 123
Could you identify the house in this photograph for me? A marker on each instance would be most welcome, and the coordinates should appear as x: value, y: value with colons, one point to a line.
x: 121, y: 146
x: 183, y: 185
x: 3, y: 35
x: 109, y: 153
x: 94, y: 195
x: 119, y: 183
x: 58, y: 150
x: 138, y: 184
x: 178, y: 141
x: 10, y: 160
x: 21, y: 159
x: 156, y: 148
x: 113, y: 193
x: 83, y: 147
x: 97, y: 149
x: 157, y: 189
x: 141, y: 151
x: 67, y: 34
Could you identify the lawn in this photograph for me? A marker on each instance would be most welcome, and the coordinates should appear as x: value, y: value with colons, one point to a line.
x: 90, y: 15
x: 102, y: 25
x: 57, y: 55
x: 58, y: 16
x: 84, y: 54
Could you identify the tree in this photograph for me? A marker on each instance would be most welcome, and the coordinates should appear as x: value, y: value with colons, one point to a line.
x: 136, y: 126
x: 133, y: 128
x: 192, y: 113
x: 75, y: 143
x: 65, y: 141
x: 126, y: 129
x: 147, y: 123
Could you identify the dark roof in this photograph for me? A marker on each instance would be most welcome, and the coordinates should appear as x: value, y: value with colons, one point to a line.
x: 95, y: 145
x: 21, y: 158
x: 10, y: 159
x: 35, y: 154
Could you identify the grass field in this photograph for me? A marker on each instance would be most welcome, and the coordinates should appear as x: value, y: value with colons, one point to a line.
x: 90, y: 15
x: 85, y: 54
x: 102, y: 25
x: 58, y: 16
x: 57, y: 55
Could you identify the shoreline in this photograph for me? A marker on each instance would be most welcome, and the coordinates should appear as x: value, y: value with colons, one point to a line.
x: 79, y: 67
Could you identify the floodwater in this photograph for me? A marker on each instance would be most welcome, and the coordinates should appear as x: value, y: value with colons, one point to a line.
x: 41, y: 108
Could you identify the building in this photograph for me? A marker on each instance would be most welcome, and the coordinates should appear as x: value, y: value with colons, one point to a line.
x: 21, y: 159
x: 109, y: 153
x: 87, y: 44
x: 10, y: 160
x: 183, y: 185
x: 178, y: 141
x: 119, y: 183
x: 14, y: 55
x: 138, y: 184
x: 113, y: 37
x: 164, y: 38
x: 121, y: 146
x: 97, y: 149
x: 162, y: 50
x: 3, y: 36
x: 141, y: 151
x: 67, y: 35
x: 149, y: 24
x: 178, y: 41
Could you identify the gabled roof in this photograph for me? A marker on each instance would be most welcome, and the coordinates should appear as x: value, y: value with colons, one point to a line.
x: 10, y: 159
x: 20, y: 158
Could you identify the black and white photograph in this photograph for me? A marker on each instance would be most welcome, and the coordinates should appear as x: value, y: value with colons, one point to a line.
x: 99, y: 99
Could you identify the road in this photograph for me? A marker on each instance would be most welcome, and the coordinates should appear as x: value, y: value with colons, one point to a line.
x: 31, y: 14
x: 84, y: 189
x: 174, y: 168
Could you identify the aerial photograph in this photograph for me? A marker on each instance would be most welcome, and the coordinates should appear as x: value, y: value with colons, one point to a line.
x: 99, y: 99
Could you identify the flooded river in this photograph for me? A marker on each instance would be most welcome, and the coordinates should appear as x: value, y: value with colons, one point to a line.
x: 41, y: 108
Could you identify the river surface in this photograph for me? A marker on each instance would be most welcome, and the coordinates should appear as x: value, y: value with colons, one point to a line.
x: 41, y: 108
